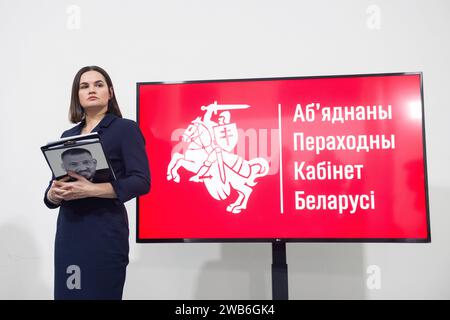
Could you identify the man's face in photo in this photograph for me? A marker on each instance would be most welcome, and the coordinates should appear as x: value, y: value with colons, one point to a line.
x: 82, y: 163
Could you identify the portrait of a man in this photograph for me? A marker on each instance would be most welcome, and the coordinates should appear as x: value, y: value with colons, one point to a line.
x: 81, y: 161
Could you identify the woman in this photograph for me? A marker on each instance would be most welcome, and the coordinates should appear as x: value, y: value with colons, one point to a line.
x: 91, y: 246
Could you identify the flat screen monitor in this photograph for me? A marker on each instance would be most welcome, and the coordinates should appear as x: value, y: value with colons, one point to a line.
x: 306, y: 159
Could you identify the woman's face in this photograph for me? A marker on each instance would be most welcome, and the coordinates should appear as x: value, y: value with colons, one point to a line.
x: 93, y: 91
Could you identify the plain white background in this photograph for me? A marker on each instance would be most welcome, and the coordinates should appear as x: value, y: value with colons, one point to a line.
x: 44, y: 43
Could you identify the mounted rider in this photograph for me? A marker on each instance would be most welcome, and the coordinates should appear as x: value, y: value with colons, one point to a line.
x: 224, y: 138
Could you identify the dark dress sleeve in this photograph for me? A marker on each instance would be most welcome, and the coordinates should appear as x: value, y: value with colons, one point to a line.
x: 136, y: 180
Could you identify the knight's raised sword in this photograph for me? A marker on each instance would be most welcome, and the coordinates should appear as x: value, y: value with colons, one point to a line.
x: 218, y: 107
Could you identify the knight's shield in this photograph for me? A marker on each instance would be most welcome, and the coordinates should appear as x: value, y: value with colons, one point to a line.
x: 226, y: 136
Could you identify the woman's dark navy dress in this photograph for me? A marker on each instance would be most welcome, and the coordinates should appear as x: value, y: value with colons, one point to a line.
x: 92, y: 233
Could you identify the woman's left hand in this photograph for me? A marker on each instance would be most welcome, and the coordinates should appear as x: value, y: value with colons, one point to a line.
x: 82, y: 188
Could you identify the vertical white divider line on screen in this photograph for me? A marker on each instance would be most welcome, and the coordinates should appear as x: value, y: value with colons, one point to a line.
x: 281, y: 159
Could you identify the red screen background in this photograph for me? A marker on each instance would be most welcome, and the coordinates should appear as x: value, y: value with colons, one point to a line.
x: 185, y: 210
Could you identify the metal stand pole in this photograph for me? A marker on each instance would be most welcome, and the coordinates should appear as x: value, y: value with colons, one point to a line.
x: 279, y: 272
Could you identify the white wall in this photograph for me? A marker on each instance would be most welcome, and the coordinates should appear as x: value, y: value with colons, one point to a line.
x: 41, y: 48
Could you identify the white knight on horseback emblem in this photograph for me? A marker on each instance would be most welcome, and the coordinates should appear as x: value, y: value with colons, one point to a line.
x: 210, y: 156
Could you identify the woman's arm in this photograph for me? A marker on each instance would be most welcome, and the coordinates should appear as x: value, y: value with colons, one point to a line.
x: 136, y: 180
x: 103, y: 190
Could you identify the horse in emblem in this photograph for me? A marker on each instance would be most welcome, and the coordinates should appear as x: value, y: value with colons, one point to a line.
x: 209, y: 155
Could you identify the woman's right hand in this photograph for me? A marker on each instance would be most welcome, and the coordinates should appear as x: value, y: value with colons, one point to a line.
x: 54, y: 193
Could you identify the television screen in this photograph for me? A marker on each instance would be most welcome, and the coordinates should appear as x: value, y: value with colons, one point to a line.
x: 318, y: 159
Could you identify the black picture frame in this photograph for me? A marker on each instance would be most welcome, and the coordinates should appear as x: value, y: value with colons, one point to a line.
x: 92, y: 140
